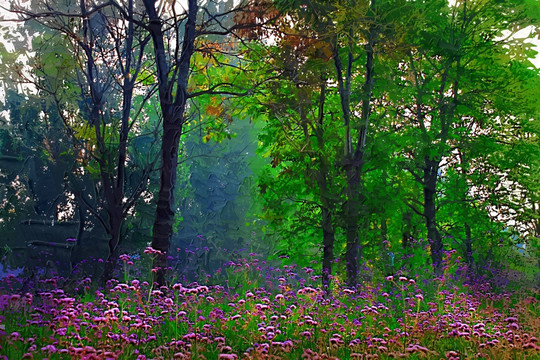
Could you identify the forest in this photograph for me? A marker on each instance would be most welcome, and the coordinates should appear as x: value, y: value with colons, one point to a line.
x: 269, y: 179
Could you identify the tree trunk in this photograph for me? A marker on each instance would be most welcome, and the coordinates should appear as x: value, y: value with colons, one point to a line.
x: 163, y: 223
x: 351, y: 255
x: 384, y: 230
x: 353, y: 170
x: 468, y: 248
x: 430, y: 183
x: 327, y: 203
x: 115, y: 213
x: 112, y: 260
x: 355, y: 196
x: 352, y: 217
x: 328, y: 248
x: 406, y: 229
x: 173, y: 106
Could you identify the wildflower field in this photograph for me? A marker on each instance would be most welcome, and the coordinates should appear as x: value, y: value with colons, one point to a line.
x: 261, y: 312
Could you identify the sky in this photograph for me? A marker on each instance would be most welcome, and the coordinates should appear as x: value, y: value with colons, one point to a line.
x: 525, y: 33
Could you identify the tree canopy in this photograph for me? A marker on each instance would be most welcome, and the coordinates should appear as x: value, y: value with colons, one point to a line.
x: 367, y: 137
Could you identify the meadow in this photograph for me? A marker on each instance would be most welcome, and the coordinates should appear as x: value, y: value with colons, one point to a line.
x: 252, y: 310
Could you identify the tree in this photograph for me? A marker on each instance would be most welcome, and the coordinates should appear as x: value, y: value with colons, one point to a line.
x: 172, y: 82
x: 353, y: 30
x: 173, y: 61
x: 452, y: 90
x: 302, y: 182
x: 33, y: 164
x: 109, y: 53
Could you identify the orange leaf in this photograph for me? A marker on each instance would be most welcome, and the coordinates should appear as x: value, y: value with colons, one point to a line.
x: 214, y: 110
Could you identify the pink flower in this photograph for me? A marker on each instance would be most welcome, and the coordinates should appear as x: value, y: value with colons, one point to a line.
x: 151, y: 250
x: 177, y: 286
x: 227, y: 357
x: 531, y: 345
x: 336, y: 341
x: 513, y: 326
x: 511, y: 319
x: 28, y: 298
x: 203, y: 288
x: 49, y: 348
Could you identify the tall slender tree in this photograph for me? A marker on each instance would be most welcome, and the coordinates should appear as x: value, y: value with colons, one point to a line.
x: 175, y: 38
x: 353, y: 30
x: 301, y: 136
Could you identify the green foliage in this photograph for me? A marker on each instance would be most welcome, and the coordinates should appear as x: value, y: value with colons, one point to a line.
x: 452, y: 85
